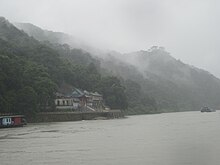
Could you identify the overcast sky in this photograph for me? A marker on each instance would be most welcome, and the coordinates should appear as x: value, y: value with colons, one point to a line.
x: 188, y: 29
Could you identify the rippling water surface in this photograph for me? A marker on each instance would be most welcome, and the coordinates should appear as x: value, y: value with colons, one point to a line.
x: 186, y: 138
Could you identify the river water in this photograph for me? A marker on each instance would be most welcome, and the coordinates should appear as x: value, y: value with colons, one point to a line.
x: 185, y: 138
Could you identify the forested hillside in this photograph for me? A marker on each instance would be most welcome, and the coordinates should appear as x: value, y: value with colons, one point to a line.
x: 135, y: 99
x: 175, y: 86
x: 151, y: 80
x: 31, y: 72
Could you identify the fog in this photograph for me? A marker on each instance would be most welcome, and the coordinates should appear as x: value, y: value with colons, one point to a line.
x: 188, y: 29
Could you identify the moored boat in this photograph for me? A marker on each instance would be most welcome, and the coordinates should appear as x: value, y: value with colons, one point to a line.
x: 12, y: 121
x: 207, y: 109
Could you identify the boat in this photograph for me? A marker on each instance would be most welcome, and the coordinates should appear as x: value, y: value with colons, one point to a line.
x: 207, y: 109
x: 12, y: 121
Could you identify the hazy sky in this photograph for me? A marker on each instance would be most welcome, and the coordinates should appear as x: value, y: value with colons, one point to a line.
x: 188, y: 29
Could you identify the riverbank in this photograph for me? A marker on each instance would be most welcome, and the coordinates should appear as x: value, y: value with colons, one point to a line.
x: 75, y: 116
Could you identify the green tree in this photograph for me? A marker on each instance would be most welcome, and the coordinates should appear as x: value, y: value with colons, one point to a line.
x: 113, y: 92
x: 27, y: 101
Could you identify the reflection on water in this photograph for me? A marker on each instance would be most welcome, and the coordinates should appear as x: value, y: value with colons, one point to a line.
x: 186, y: 138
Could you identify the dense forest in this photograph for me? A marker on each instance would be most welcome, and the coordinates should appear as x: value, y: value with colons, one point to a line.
x: 32, y: 71
x: 35, y: 63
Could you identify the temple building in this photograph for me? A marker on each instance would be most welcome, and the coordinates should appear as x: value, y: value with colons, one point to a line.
x: 79, y: 100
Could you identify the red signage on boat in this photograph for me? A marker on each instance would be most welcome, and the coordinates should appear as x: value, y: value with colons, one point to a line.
x: 12, y: 121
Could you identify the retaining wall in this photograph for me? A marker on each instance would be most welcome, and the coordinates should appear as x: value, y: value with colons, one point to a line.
x: 75, y: 116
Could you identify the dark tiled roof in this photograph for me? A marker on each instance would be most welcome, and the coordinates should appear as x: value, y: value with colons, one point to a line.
x: 96, y: 94
x: 77, y: 93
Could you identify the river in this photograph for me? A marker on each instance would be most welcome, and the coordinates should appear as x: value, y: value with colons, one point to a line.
x: 184, y: 138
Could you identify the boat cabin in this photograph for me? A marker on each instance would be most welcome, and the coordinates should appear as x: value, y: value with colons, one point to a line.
x: 12, y: 121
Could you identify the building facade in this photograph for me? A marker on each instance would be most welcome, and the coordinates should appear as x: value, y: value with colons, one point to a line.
x: 79, y: 100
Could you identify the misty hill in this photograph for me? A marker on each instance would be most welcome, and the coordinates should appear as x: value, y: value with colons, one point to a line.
x: 186, y: 83
x: 175, y: 85
x: 55, y: 37
x: 155, y: 74
x: 46, y: 35
x: 156, y: 63
x: 32, y: 71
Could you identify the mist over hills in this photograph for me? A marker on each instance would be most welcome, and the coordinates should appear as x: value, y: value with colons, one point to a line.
x: 46, y: 35
x: 55, y: 37
x: 31, y: 72
x: 174, y: 84
x: 148, y: 81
